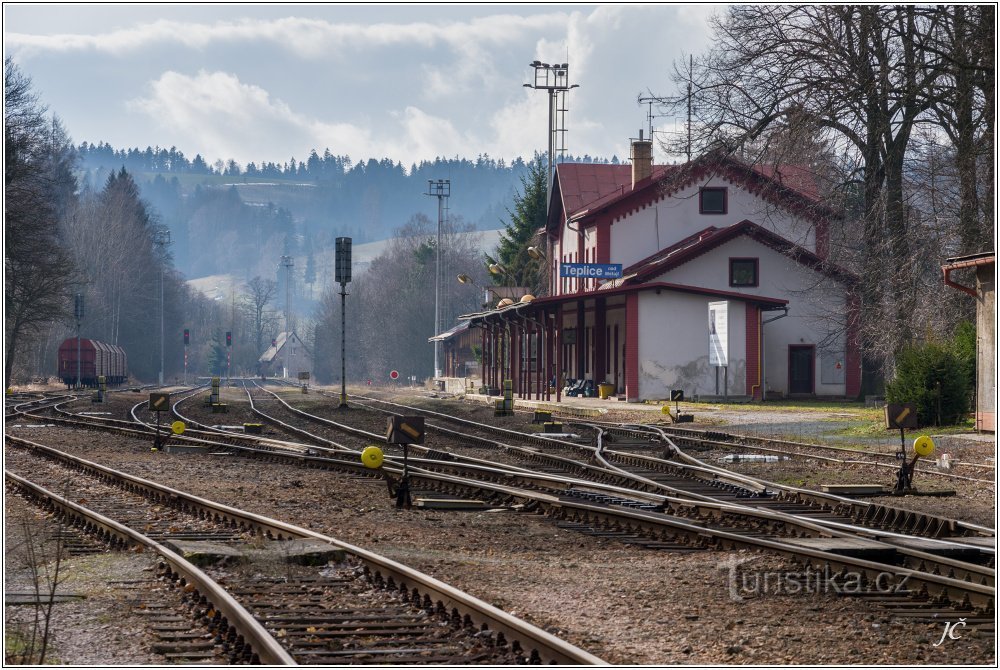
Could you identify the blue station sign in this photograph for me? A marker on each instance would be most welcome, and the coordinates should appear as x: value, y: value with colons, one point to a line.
x: 591, y: 270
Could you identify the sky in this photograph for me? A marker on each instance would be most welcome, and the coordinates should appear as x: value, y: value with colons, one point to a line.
x: 409, y: 82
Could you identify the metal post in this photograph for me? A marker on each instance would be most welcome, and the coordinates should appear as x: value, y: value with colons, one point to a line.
x: 161, y: 237
x: 342, y: 274
x: 343, y: 345
x: 552, y: 132
x: 554, y: 79
x: 287, y: 263
x: 441, y: 189
x: 437, y: 292
x: 161, y: 329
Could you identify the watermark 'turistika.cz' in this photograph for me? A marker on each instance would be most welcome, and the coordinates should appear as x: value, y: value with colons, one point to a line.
x: 744, y: 583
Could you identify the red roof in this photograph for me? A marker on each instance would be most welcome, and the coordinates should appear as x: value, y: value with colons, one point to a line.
x: 585, y: 185
x: 586, y: 188
x: 710, y: 238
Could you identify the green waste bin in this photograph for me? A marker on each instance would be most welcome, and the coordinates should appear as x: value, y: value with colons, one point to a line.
x: 604, y: 391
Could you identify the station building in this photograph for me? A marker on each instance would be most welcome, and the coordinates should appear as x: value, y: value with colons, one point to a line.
x: 725, y: 291
x: 982, y: 268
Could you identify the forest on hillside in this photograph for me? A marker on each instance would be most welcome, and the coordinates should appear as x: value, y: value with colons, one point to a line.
x: 128, y: 240
x: 260, y: 212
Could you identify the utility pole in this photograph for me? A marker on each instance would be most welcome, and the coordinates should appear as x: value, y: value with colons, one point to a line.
x: 287, y: 263
x: 342, y: 274
x: 555, y: 80
x: 161, y: 237
x: 442, y: 189
x: 690, y: 75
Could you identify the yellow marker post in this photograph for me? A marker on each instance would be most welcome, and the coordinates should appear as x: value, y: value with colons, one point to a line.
x: 178, y: 427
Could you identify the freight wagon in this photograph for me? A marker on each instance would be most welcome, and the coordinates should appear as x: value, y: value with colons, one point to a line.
x: 96, y: 359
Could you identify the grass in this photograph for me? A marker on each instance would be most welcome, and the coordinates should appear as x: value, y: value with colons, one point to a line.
x: 782, y: 406
x: 878, y: 429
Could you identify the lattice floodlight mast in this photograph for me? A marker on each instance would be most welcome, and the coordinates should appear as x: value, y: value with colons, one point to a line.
x: 288, y: 262
x: 342, y: 275
x: 440, y: 188
x: 555, y: 80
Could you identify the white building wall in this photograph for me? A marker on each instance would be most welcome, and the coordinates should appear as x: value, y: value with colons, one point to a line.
x: 817, y: 309
x: 670, y: 220
x: 673, y: 346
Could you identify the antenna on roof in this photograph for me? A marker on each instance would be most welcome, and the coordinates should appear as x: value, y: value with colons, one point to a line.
x: 649, y: 113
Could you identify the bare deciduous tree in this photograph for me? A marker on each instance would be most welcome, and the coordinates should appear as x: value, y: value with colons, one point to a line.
x: 38, y: 273
x: 861, y: 79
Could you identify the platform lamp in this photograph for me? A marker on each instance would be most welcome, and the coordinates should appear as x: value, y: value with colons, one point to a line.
x: 466, y: 279
x: 342, y: 275
x: 537, y: 254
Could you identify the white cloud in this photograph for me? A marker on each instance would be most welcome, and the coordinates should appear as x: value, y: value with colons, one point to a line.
x: 224, y: 117
x: 271, y: 88
x: 308, y: 38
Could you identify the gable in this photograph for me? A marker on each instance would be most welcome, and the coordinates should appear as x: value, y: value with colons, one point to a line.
x: 695, y: 246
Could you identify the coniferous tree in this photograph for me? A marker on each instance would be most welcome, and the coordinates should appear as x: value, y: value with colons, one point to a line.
x: 518, y: 268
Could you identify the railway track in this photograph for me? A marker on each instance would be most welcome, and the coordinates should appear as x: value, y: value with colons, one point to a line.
x: 327, y: 614
x: 659, y: 521
x: 679, y: 474
x: 722, y: 441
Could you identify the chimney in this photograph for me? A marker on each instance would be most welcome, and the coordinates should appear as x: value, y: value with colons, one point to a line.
x: 642, y: 159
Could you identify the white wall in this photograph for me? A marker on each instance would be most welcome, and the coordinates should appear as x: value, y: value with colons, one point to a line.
x: 673, y: 346
x: 817, y: 308
x: 670, y: 220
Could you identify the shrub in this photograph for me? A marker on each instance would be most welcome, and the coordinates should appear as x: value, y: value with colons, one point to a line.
x: 963, y: 343
x: 934, y: 378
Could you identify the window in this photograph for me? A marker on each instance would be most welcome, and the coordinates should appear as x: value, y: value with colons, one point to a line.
x: 712, y: 201
x: 743, y: 272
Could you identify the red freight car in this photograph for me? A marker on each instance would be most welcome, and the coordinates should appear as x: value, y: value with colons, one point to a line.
x: 96, y: 359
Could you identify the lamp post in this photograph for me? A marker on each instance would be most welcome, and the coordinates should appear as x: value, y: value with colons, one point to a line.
x: 442, y: 190
x: 161, y: 237
x: 555, y: 80
x: 287, y: 262
x: 342, y: 275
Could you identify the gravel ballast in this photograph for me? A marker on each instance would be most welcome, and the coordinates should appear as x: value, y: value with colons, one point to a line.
x: 625, y: 604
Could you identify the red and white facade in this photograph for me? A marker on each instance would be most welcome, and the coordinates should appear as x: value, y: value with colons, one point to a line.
x: 711, y: 231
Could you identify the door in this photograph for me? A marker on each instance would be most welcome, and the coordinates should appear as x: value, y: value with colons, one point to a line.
x: 801, y: 366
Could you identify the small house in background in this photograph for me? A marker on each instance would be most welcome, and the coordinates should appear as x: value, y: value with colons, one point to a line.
x: 286, y: 357
x: 983, y: 268
x: 460, y: 361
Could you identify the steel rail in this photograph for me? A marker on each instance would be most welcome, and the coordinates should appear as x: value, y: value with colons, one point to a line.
x: 718, y: 506
x: 896, y: 540
x: 548, y: 647
x: 689, y: 434
x: 712, y: 473
x: 264, y: 645
x: 832, y: 497
x: 861, y: 507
